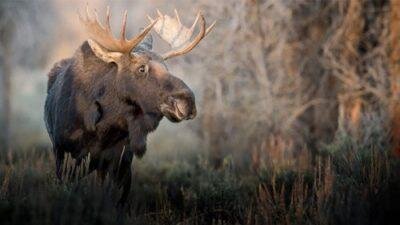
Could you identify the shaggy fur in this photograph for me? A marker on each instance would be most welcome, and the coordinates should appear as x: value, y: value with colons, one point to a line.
x: 107, y: 109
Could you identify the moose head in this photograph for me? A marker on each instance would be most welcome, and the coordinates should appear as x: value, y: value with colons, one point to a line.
x: 142, y: 77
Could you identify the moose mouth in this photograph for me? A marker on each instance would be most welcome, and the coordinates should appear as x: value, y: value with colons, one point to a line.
x: 176, y: 110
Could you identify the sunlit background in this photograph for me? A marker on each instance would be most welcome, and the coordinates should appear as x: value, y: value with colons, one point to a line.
x: 44, y: 32
x: 282, y: 75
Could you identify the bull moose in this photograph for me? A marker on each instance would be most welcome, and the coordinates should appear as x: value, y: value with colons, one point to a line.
x: 111, y: 93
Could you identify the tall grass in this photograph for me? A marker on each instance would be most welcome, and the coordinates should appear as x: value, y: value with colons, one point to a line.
x: 352, y: 182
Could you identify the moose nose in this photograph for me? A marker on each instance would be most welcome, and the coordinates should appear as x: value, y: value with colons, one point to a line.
x: 185, y: 104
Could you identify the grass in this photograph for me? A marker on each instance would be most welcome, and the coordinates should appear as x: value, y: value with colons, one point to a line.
x: 353, y: 182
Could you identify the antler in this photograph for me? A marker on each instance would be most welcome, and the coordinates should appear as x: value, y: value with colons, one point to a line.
x: 103, y: 35
x: 177, y: 35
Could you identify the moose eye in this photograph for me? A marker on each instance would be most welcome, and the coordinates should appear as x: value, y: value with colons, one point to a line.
x: 142, y: 69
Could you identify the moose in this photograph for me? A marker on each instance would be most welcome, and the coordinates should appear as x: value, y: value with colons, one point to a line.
x: 106, y: 98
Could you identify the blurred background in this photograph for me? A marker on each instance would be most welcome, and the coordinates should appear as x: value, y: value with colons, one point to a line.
x: 274, y: 77
x: 279, y: 85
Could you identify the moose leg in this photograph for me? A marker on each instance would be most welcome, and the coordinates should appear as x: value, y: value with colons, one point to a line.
x: 100, y: 164
x: 116, y: 161
x: 124, y: 174
x: 59, y: 156
x: 120, y: 170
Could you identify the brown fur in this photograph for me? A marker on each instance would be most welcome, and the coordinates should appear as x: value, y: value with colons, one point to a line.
x: 100, y: 108
x: 57, y: 68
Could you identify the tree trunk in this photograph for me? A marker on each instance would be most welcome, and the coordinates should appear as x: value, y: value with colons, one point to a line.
x: 350, y: 103
x: 394, y: 106
x: 5, y: 76
x: 6, y: 37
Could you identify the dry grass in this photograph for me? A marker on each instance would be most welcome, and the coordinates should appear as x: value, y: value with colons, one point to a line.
x: 354, y: 182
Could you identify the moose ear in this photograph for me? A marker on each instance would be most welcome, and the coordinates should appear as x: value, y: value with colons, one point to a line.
x: 145, y: 44
x: 104, y: 54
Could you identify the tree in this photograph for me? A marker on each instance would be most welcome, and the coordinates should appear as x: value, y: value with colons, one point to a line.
x: 394, y: 48
x: 6, y: 33
x: 23, y: 33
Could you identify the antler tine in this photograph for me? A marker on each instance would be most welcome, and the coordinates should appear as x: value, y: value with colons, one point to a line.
x: 103, y: 34
x: 210, y: 28
x: 177, y: 16
x: 135, y: 41
x: 97, y: 17
x: 191, y: 45
x: 108, y: 15
x: 87, y: 12
x: 178, y: 36
x: 195, y: 22
x: 150, y: 18
x: 159, y: 13
x: 123, y: 28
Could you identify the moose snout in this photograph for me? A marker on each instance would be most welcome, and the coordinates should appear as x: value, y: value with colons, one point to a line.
x: 180, y: 106
x: 185, y: 104
x: 187, y: 107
